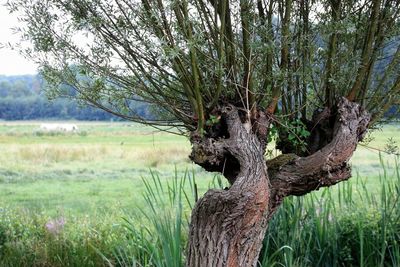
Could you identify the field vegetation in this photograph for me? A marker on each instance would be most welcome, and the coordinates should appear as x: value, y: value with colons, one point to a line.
x: 120, y: 194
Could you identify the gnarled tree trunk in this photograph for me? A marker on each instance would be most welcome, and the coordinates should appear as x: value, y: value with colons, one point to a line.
x: 228, y: 226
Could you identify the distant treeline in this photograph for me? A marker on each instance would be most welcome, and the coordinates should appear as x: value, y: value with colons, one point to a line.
x: 23, y: 98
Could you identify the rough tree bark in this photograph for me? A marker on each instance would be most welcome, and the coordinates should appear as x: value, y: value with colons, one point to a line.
x: 228, y: 226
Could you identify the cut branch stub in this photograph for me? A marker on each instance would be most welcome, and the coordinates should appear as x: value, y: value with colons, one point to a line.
x: 294, y: 175
x: 211, y: 154
x: 213, y: 151
x: 261, y: 127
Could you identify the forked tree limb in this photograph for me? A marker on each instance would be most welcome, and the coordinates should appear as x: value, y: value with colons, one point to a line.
x: 293, y: 175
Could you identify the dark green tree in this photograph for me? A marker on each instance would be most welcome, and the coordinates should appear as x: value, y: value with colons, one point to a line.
x: 230, y: 74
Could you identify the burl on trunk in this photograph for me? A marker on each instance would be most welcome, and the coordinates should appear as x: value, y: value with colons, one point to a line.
x: 228, y: 226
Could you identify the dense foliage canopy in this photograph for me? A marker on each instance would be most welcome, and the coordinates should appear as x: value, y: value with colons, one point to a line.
x: 189, y: 57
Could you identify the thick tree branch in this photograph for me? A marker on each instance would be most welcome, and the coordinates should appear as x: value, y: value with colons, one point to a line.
x: 294, y: 175
x: 332, y: 50
x: 367, y: 50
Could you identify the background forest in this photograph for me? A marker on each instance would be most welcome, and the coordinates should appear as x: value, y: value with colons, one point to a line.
x: 23, y: 97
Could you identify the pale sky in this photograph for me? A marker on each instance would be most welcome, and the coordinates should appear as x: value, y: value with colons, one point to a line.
x: 11, y: 63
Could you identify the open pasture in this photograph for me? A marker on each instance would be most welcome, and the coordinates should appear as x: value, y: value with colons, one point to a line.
x: 98, y: 167
x: 101, y: 165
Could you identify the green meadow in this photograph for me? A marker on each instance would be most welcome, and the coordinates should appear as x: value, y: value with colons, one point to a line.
x: 99, y: 167
x: 109, y: 181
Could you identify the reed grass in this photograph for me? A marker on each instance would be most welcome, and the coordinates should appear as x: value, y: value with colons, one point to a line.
x: 349, y: 225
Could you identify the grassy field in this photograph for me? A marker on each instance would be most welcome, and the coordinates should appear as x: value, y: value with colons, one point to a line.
x: 97, y: 168
x: 101, y: 166
x: 94, y: 178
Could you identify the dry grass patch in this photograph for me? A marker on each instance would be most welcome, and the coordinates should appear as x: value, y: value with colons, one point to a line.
x: 60, y: 153
x: 159, y: 156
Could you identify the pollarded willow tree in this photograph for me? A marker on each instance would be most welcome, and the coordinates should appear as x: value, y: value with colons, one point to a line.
x: 231, y: 74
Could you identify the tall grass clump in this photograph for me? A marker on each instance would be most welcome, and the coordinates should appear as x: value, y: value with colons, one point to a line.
x: 157, y: 233
x: 38, y: 240
x: 355, y: 223
x: 351, y: 225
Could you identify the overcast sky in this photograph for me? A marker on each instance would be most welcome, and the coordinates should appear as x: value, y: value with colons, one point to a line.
x: 11, y: 63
